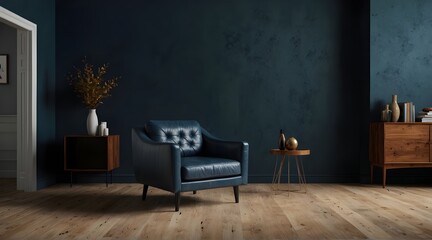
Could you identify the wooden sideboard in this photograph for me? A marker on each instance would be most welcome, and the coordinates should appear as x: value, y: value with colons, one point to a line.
x: 399, y: 145
x: 91, y: 154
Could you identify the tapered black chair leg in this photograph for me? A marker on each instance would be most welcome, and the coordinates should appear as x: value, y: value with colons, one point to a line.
x: 145, y: 189
x: 194, y: 192
x: 177, y: 201
x: 236, y: 193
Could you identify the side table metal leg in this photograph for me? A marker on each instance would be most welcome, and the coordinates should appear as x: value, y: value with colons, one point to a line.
x: 274, y: 173
x: 289, y: 175
x: 303, y: 175
x: 298, y: 173
x: 280, y: 170
x: 277, y: 173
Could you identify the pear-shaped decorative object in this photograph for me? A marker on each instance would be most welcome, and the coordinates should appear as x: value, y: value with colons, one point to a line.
x: 394, y: 107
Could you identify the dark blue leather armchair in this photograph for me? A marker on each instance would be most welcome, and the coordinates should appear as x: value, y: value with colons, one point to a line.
x: 180, y: 156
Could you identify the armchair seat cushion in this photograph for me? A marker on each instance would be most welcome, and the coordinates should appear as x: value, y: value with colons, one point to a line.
x: 201, y: 168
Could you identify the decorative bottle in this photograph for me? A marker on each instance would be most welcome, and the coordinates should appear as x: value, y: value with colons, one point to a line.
x: 281, y: 140
x: 394, y: 107
x: 386, y: 114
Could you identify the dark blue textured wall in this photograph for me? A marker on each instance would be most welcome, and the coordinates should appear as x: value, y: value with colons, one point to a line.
x: 401, y: 60
x: 42, y: 13
x: 243, y: 69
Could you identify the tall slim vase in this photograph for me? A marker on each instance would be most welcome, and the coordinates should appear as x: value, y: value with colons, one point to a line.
x: 92, y: 122
x: 394, y: 107
x: 281, y: 140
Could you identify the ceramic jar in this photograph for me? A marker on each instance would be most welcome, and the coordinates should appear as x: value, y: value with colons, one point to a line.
x: 102, y: 127
x: 386, y: 114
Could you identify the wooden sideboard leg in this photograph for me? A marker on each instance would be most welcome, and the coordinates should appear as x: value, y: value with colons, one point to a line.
x: 111, y: 176
x: 371, y: 173
x: 384, y: 176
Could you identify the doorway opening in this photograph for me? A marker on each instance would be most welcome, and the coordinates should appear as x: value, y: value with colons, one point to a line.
x: 26, y: 169
x: 8, y: 101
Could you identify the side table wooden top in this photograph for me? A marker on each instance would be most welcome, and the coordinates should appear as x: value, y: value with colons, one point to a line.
x: 297, y: 152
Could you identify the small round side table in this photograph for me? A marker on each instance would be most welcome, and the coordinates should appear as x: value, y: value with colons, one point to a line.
x: 285, y: 155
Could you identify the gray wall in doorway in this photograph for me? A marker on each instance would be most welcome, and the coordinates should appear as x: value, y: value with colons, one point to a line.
x: 8, y: 92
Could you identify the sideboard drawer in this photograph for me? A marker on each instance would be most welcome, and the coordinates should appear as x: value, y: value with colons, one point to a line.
x: 404, y: 132
x: 405, y: 152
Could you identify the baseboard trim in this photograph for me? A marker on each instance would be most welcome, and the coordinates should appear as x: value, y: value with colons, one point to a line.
x: 8, y: 174
x: 130, y: 178
x: 309, y: 179
x: 45, y: 182
x: 81, y: 177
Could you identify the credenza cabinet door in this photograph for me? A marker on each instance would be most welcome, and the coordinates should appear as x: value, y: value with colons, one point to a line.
x: 91, y: 153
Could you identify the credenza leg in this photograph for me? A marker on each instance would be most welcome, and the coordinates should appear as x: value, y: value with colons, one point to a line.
x: 70, y: 178
x: 384, y: 176
x: 371, y: 173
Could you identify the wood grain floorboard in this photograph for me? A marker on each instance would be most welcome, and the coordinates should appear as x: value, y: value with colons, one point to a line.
x: 326, y: 211
x: 340, y: 206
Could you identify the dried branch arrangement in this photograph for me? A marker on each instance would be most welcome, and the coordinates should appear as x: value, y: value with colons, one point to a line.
x: 90, y: 85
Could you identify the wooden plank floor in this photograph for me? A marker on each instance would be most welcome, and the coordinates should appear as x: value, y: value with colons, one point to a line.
x: 327, y: 211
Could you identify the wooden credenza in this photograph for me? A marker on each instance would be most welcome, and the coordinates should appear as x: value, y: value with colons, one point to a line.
x: 399, y: 145
x: 91, y: 154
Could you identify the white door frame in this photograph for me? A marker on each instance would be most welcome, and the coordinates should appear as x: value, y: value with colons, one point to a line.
x: 26, y: 102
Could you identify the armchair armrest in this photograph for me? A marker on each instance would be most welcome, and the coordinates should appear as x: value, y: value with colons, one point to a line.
x: 156, y: 164
x: 235, y: 150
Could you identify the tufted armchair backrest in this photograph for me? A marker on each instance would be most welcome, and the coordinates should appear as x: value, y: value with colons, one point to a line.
x: 185, y: 133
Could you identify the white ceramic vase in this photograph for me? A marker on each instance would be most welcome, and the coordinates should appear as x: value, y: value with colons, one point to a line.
x: 92, y: 122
